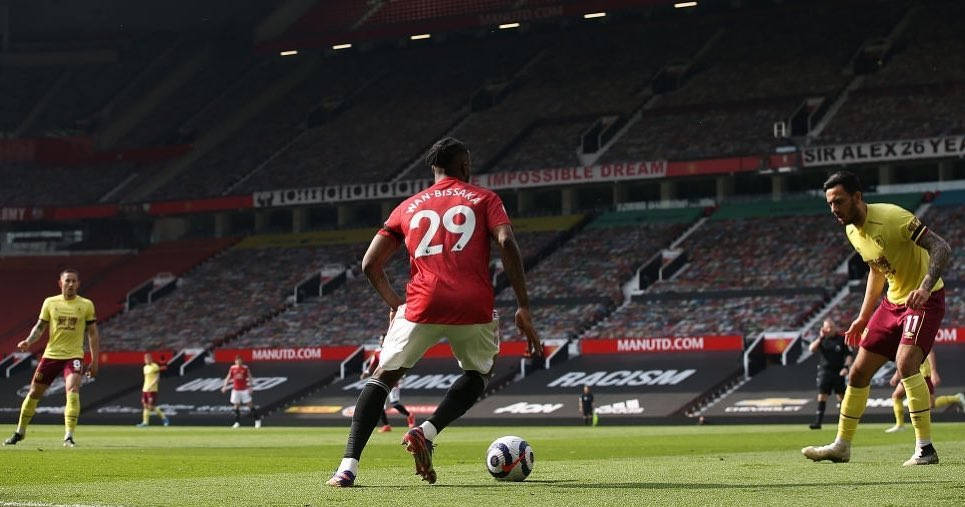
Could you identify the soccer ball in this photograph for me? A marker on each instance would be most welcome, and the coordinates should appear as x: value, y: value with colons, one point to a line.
x: 509, y: 459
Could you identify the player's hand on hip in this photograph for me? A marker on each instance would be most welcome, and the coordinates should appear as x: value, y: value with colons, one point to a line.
x: 524, y: 321
x: 917, y: 299
x: 853, y: 335
x: 92, y: 369
x: 23, y: 345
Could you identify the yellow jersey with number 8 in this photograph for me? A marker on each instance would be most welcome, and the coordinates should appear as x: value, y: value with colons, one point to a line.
x: 886, y: 241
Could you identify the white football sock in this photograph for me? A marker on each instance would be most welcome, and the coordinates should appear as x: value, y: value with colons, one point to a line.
x: 429, y: 430
x: 350, y: 464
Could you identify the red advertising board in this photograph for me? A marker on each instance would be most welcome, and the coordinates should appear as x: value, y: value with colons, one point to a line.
x: 285, y: 354
x: 950, y: 335
x: 655, y: 345
x: 132, y: 356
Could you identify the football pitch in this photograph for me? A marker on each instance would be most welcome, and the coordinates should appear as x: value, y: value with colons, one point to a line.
x: 603, y: 466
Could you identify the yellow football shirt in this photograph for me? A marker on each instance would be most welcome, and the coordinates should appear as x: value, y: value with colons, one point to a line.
x: 68, y: 320
x: 151, y: 373
x: 886, y: 242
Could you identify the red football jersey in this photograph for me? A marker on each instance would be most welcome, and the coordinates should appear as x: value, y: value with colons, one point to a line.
x: 239, y: 377
x: 446, y: 229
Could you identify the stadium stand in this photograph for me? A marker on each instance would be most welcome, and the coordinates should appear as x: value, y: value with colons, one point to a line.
x: 109, y: 291
x: 206, y: 178
x: 583, y: 75
x: 745, y: 316
x: 946, y: 217
x: 20, y: 89
x: 908, y: 112
x: 778, y: 252
x: 403, y: 100
x: 163, y: 125
x: 33, y: 185
x: 231, y: 292
x: 920, y: 89
x: 84, y: 90
x: 703, y: 131
x: 609, y: 249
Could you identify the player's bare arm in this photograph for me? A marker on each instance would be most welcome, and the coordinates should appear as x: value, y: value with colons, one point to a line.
x: 224, y: 386
x: 513, y: 266
x: 939, y: 252
x: 35, y: 334
x: 94, y: 342
x: 872, y: 293
x: 373, y: 265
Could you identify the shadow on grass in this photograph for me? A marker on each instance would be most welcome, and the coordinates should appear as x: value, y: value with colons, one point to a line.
x: 692, y: 485
x: 574, y: 484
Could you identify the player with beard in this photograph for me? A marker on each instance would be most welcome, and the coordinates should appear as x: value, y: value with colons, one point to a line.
x: 911, y: 258
x: 70, y: 317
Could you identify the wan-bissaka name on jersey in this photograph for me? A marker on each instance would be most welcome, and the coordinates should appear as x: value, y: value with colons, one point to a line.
x: 68, y: 321
x: 886, y: 242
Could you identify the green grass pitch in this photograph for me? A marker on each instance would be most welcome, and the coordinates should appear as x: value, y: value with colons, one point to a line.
x: 627, y: 465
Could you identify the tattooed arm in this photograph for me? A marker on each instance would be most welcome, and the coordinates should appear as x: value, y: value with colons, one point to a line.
x: 35, y: 334
x: 939, y: 253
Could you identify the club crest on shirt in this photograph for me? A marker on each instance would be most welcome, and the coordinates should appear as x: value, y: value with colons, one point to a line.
x: 879, y: 240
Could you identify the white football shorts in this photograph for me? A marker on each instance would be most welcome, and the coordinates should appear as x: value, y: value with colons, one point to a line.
x: 474, y: 345
x: 243, y: 396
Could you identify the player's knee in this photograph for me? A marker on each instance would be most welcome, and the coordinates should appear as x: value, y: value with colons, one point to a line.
x: 859, y: 377
x: 907, y: 367
x: 73, y: 389
x: 389, y: 377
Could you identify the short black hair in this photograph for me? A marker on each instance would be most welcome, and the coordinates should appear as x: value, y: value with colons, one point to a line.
x: 445, y: 152
x: 69, y: 270
x: 846, y: 179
